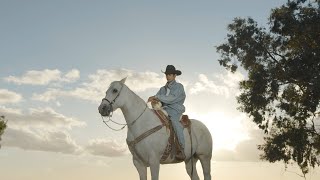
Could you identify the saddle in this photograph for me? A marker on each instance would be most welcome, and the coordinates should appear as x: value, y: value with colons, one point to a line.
x: 174, y: 152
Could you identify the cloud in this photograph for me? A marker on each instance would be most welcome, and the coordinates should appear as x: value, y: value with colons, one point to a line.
x: 7, y: 96
x: 40, y: 140
x: 205, y: 84
x: 246, y: 150
x: 94, y: 89
x: 41, y: 129
x: 225, y: 85
x: 137, y: 81
x: 44, y: 77
x: 39, y: 117
x: 103, y: 147
x: 71, y: 76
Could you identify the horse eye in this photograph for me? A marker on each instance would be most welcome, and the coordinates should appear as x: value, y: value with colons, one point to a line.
x: 115, y: 90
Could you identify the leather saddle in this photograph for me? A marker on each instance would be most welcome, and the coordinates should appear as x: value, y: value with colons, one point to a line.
x: 173, y: 153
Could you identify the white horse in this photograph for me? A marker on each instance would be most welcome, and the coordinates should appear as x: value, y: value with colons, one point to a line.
x: 148, y: 150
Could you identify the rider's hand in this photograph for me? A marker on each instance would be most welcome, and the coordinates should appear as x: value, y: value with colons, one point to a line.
x: 151, y: 98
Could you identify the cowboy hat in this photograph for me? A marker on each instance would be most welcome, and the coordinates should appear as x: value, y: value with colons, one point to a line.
x: 170, y: 69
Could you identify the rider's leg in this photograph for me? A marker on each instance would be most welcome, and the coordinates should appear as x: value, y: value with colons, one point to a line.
x: 178, y: 128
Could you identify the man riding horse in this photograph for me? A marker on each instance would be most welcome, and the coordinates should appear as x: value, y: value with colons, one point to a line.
x: 147, y: 136
x: 172, y: 97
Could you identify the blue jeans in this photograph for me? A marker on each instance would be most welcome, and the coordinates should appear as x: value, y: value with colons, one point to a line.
x: 178, y: 128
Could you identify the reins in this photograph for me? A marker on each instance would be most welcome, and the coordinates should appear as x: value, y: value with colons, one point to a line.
x: 105, y: 122
x: 123, y: 125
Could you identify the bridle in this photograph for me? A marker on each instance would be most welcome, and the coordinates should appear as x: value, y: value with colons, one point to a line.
x: 111, y: 113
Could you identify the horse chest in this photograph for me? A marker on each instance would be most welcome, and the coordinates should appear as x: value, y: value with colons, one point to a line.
x: 153, y: 144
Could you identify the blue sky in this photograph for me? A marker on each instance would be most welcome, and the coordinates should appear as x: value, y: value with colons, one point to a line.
x: 117, y: 34
x: 58, y: 57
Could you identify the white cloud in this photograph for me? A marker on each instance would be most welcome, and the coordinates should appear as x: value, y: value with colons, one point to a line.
x: 231, y: 79
x: 44, y: 77
x: 94, y: 89
x: 4, y: 110
x: 40, y: 140
x: 51, y: 94
x: 137, y: 81
x: 103, y: 147
x: 40, y: 129
x: 40, y: 117
x: 36, y: 77
x: 71, y: 76
x: 58, y: 104
x: 206, y: 85
x: 225, y: 85
x: 7, y: 96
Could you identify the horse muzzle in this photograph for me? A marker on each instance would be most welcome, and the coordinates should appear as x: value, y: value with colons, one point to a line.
x: 105, y: 110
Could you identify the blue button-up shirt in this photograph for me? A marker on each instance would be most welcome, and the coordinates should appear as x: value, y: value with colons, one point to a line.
x: 172, y: 95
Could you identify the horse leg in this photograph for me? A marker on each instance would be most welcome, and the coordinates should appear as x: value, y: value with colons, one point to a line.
x: 154, y: 168
x: 141, y: 168
x: 191, y: 168
x: 206, y: 163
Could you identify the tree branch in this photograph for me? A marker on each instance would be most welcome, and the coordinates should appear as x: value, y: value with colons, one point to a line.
x: 273, y: 58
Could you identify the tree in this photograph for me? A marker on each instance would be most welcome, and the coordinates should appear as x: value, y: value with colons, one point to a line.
x: 3, y: 126
x: 282, y: 92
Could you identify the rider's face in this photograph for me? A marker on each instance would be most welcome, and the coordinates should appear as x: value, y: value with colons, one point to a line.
x: 170, y: 77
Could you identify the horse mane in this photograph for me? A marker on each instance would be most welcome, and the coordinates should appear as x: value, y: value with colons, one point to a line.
x: 138, y: 97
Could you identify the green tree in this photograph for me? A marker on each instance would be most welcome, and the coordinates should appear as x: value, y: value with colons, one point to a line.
x: 282, y: 91
x: 3, y: 126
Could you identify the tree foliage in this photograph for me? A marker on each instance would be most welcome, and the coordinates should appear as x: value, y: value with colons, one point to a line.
x: 3, y: 126
x: 282, y: 92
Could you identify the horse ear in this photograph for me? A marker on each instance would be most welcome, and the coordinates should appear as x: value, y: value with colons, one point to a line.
x: 123, y: 80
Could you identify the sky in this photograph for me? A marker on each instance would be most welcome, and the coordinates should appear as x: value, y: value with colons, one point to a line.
x: 57, y: 58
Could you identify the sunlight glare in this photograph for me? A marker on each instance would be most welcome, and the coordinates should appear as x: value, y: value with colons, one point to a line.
x: 226, y: 131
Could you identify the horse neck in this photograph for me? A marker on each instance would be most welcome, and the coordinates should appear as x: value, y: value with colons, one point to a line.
x: 133, y: 108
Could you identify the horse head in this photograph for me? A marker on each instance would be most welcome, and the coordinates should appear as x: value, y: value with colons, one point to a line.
x: 113, y: 99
